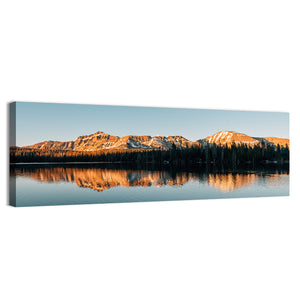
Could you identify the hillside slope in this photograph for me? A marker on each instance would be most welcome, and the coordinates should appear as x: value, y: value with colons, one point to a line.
x: 103, y: 141
x: 226, y: 137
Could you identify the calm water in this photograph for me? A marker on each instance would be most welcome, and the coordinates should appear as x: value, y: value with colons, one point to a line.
x: 82, y: 184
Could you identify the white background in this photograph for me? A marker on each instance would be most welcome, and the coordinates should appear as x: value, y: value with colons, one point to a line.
x: 202, y: 54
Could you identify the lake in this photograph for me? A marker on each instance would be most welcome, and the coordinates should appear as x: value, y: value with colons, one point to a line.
x: 61, y: 184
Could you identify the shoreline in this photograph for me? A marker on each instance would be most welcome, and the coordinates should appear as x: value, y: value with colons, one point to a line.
x: 135, y: 162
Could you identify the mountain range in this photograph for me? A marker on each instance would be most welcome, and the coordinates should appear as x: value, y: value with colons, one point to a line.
x: 103, y: 141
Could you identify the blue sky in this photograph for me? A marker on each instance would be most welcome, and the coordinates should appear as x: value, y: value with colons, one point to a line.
x: 36, y: 122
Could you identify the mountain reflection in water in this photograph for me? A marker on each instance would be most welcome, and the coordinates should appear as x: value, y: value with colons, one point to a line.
x: 100, y: 178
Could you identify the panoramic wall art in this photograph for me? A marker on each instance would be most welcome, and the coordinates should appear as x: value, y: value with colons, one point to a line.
x: 81, y: 154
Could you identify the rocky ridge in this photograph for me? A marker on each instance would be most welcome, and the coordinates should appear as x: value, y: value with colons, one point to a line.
x: 103, y: 141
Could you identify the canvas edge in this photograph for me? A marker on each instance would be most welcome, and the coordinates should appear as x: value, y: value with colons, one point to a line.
x: 11, y: 142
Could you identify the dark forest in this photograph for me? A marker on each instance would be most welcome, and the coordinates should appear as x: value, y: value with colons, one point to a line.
x: 234, y: 156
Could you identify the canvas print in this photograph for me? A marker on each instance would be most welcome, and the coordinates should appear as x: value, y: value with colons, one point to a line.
x: 81, y: 154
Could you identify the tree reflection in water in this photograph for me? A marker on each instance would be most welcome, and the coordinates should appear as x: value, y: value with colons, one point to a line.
x: 104, y: 177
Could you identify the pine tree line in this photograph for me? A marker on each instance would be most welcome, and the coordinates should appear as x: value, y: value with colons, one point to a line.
x: 234, y: 156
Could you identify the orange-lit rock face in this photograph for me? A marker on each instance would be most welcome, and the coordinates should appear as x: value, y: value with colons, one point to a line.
x: 104, y: 141
x: 280, y: 141
x: 101, y: 141
x: 230, y: 137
